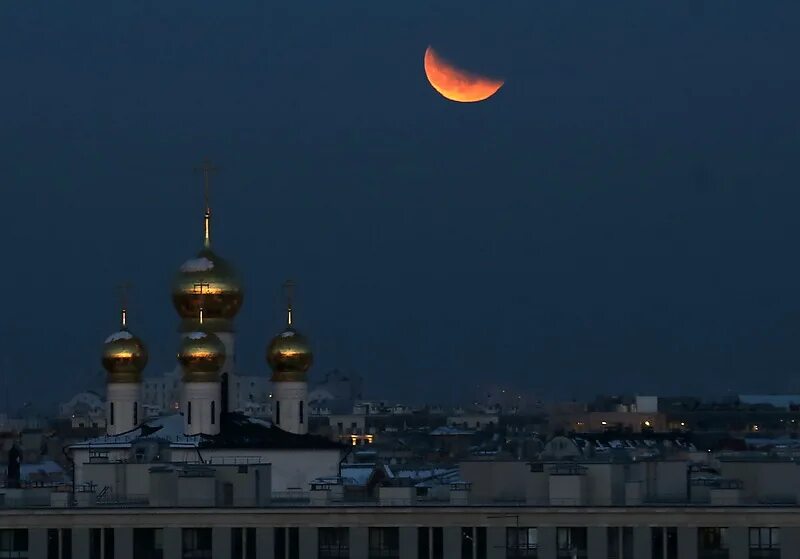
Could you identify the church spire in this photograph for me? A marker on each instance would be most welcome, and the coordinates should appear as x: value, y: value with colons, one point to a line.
x: 208, y: 169
x: 288, y: 288
x: 123, y: 304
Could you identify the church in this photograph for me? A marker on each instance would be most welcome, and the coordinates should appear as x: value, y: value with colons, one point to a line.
x: 207, y: 294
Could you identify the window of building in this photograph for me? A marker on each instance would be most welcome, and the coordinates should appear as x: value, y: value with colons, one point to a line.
x: 148, y: 543
x: 473, y: 543
x: 59, y: 543
x: 294, y: 543
x: 712, y: 543
x: 571, y: 543
x: 213, y: 412
x: 765, y: 543
x: 334, y: 543
x: 243, y: 543
x: 277, y: 412
x: 189, y: 412
x: 384, y: 543
x: 620, y: 542
x: 196, y: 543
x: 522, y: 543
x: 430, y: 543
x: 135, y: 413
x: 14, y: 544
x: 101, y: 543
x: 301, y: 413
x: 664, y: 543
x: 111, y: 412
x: 287, y: 543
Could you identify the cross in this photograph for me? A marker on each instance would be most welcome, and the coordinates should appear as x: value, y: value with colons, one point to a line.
x: 288, y: 289
x: 208, y: 169
x: 123, y: 300
x: 199, y: 288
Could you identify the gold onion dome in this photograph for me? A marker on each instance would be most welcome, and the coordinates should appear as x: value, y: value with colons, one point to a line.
x: 201, y: 356
x: 289, y: 355
x: 220, y: 293
x: 124, y: 357
x: 207, y: 280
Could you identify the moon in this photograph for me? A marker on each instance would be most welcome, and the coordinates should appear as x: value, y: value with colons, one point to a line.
x: 456, y: 84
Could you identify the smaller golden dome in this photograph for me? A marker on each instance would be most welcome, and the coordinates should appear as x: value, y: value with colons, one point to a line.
x: 201, y: 356
x: 289, y: 355
x: 124, y: 357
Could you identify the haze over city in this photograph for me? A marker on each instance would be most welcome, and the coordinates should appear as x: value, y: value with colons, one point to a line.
x: 619, y: 216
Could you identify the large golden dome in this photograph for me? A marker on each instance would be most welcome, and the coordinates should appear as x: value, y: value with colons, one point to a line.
x: 124, y: 357
x: 289, y: 355
x: 201, y: 356
x: 207, y: 280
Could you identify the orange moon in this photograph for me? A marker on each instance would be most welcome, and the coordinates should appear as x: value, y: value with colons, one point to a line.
x: 456, y: 84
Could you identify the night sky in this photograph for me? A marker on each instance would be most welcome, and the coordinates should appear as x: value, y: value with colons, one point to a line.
x: 620, y: 217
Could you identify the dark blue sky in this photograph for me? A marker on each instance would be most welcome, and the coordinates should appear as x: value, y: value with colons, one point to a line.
x: 621, y: 216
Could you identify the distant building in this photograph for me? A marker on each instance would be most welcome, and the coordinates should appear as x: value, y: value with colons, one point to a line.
x: 85, y: 409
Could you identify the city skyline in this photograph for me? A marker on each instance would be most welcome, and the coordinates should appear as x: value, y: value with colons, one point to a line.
x: 618, y: 217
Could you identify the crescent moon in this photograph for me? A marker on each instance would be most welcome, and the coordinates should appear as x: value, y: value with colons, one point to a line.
x: 456, y: 84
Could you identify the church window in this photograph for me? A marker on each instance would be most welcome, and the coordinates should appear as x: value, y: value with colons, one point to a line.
x: 135, y: 414
x: 189, y: 413
x: 213, y: 412
x: 277, y: 413
x: 111, y: 412
x: 301, y: 412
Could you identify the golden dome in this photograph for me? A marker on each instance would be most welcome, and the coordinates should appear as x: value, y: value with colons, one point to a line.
x: 201, y: 356
x: 209, y: 281
x: 289, y: 355
x: 124, y: 357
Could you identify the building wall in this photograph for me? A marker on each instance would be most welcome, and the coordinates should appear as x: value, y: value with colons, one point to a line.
x: 291, y: 469
x: 359, y: 519
x: 495, y: 480
x: 765, y: 482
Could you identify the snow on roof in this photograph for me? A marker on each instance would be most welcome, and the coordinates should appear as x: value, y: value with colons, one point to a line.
x: 264, y: 422
x: 197, y: 335
x: 168, y: 428
x: 121, y: 335
x: 201, y: 264
x: 287, y: 334
x: 45, y: 467
x: 445, y: 430
x: 357, y: 474
x: 443, y: 475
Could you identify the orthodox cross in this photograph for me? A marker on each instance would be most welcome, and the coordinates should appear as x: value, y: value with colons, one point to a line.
x: 123, y: 302
x: 208, y: 169
x: 288, y: 289
x: 200, y: 289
